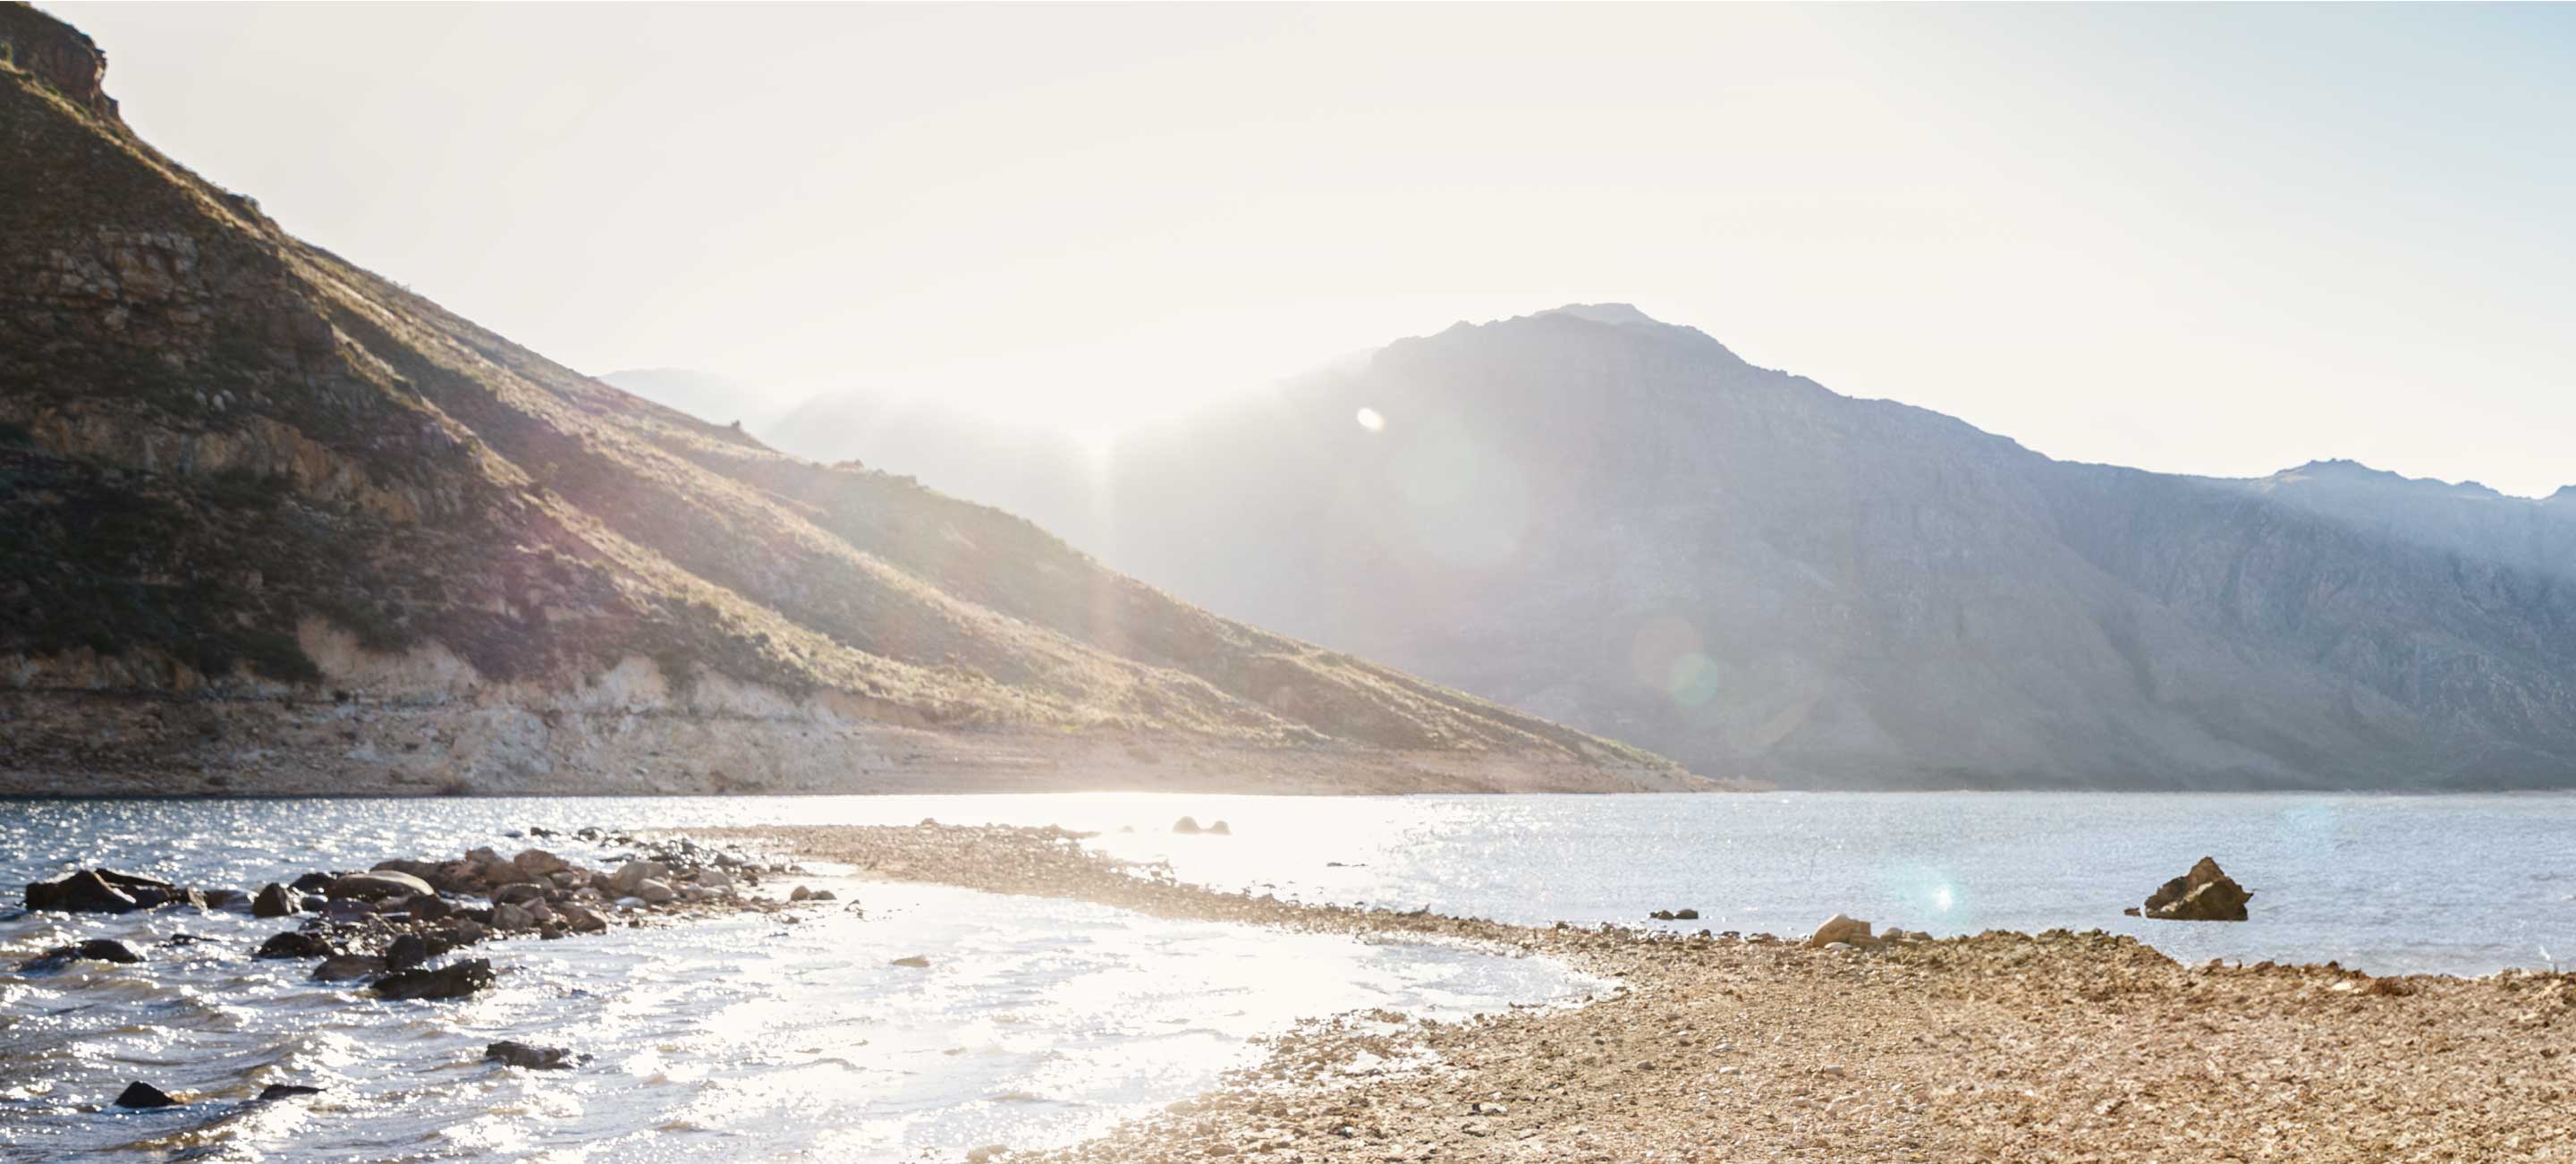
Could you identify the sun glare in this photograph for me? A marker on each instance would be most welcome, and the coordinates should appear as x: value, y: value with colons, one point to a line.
x: 1370, y: 420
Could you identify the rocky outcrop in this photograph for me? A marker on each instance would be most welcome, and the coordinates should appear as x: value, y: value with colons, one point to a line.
x: 60, y: 55
x: 2206, y: 893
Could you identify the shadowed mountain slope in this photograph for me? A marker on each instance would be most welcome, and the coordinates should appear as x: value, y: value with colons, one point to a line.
x: 279, y: 524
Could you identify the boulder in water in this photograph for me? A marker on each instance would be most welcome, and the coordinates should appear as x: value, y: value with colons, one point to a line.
x: 84, y: 892
x: 274, y: 900
x: 454, y: 981
x: 1187, y: 826
x: 143, y: 1095
x: 277, y: 1091
x: 2206, y: 893
x: 311, y: 883
x: 226, y: 899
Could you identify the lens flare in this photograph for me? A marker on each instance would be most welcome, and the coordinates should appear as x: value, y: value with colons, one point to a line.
x: 1370, y: 419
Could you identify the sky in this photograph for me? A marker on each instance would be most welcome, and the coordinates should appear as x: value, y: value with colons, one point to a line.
x: 2205, y: 239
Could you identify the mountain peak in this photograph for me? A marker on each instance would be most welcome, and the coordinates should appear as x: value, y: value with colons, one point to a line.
x: 1614, y: 314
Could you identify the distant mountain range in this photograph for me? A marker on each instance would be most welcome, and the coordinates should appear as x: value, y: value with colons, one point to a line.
x: 276, y: 524
x: 1615, y: 522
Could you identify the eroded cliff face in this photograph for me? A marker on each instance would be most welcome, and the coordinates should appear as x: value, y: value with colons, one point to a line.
x: 273, y: 513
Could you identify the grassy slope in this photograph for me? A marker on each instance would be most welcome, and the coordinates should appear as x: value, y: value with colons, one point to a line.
x: 315, y: 440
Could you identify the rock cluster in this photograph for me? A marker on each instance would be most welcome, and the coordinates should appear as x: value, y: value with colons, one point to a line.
x: 2206, y: 893
x: 385, y: 927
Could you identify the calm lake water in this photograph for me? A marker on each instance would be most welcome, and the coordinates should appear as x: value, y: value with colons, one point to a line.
x: 1039, y: 1022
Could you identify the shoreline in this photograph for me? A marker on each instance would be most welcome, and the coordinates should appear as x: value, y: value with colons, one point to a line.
x: 2056, y: 1046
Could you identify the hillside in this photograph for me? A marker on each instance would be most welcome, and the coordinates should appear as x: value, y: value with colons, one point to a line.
x: 1619, y: 524
x: 278, y: 524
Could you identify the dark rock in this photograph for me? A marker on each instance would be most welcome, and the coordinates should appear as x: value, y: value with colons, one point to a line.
x: 2206, y: 893
x: 456, y: 981
x: 274, y: 901
x: 533, y: 1058
x: 428, y: 907
x: 83, y: 892
x: 348, y: 968
x: 184, y: 940
x: 108, y: 950
x: 229, y: 899
x: 296, y: 944
x: 312, y: 883
x: 823, y: 895
x: 277, y: 1091
x: 312, y: 902
x: 411, y: 950
x: 347, y: 910
x: 144, y: 1095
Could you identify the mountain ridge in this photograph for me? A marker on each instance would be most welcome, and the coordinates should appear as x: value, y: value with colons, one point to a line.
x: 1870, y: 594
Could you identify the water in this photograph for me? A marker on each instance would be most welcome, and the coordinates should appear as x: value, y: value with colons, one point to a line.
x: 1040, y: 1021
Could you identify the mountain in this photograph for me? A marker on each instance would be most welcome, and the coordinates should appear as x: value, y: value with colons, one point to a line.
x: 1618, y: 523
x: 2532, y: 536
x: 279, y: 525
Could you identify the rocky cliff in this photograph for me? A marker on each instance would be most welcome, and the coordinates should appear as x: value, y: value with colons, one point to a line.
x: 278, y: 524
x: 1618, y: 523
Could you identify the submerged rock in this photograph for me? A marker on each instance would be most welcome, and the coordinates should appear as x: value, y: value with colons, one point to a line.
x: 95, y: 950
x: 516, y: 1054
x: 143, y: 1095
x: 456, y: 981
x: 2206, y: 893
x: 277, y: 1091
x: 916, y: 962
x: 348, y: 968
x: 1675, y: 915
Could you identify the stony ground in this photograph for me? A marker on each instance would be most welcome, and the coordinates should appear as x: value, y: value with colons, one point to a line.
x: 2055, y: 1047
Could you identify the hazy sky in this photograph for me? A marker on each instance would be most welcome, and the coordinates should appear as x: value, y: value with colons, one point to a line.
x: 2218, y: 240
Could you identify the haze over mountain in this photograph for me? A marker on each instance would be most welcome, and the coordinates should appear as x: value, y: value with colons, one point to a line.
x: 1605, y: 519
x: 278, y: 524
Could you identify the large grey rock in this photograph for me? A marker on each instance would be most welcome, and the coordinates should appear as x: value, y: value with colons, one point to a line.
x: 634, y: 874
x: 377, y: 885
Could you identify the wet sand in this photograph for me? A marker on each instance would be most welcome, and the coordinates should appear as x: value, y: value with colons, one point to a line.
x: 2049, y: 1047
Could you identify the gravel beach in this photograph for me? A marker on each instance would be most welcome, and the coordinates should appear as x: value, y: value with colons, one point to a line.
x: 1711, y: 1047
